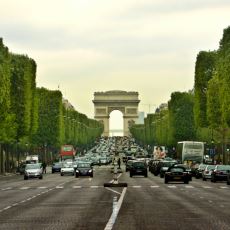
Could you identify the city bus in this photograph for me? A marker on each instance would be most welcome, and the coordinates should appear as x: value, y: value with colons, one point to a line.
x: 67, y: 152
x: 190, y: 152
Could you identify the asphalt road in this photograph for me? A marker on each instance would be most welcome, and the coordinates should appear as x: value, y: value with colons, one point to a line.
x: 83, y: 203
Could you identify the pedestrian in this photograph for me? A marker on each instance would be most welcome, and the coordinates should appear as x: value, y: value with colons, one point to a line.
x: 119, y: 163
x: 44, y: 167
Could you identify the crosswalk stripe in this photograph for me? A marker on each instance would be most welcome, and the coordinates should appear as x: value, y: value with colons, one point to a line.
x: 42, y: 187
x: 59, y: 187
x: 223, y: 187
x: 24, y: 188
x: 189, y: 186
x: 136, y: 186
x: 171, y: 186
x: 77, y: 186
x: 154, y: 186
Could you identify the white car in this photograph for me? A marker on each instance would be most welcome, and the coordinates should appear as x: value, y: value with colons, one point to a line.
x: 206, y: 174
x: 33, y: 171
x: 67, y: 169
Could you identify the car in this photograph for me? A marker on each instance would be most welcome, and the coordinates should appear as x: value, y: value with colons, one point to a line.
x: 165, y: 165
x: 139, y: 168
x: 67, y: 169
x: 219, y: 173
x: 187, y: 169
x: 84, y: 169
x: 128, y: 165
x: 199, y: 170
x: 56, y: 167
x: 176, y: 173
x: 206, y: 174
x: 21, y: 168
x: 228, y: 177
x: 33, y: 171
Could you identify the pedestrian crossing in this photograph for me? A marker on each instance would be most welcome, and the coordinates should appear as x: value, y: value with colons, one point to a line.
x: 172, y: 186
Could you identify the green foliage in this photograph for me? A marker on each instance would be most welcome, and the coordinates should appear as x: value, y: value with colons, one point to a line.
x: 182, y: 117
x: 23, y: 74
x: 204, y: 69
x: 7, y: 118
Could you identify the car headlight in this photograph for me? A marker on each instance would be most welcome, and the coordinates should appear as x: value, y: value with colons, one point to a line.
x: 77, y: 171
x: 90, y: 170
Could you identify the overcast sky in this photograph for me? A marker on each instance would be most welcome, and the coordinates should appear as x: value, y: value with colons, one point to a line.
x: 149, y: 46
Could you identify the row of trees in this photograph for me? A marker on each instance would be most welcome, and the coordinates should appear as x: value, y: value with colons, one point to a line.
x: 35, y: 119
x: 202, y: 114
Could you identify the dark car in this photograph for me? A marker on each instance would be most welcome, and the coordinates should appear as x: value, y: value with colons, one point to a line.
x: 165, y: 165
x: 128, y: 165
x: 199, y: 171
x: 154, y: 167
x: 176, y: 173
x: 21, y: 168
x: 220, y: 173
x: 56, y: 167
x: 84, y: 169
x: 138, y: 168
x: 228, y: 177
x: 187, y: 169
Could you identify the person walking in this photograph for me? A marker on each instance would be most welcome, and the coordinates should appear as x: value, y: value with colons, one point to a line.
x: 44, y: 167
x: 119, y: 163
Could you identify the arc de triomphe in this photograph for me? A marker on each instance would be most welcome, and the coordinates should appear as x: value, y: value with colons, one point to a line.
x: 106, y: 102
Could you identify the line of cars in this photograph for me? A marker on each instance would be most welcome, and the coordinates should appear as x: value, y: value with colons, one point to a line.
x: 213, y: 173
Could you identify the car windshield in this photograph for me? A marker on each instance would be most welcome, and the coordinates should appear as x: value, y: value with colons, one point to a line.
x: 67, y: 166
x: 56, y: 164
x: 210, y: 167
x: 223, y: 167
x: 176, y: 170
x: 83, y: 165
x: 139, y: 164
x: 168, y: 164
x: 33, y: 166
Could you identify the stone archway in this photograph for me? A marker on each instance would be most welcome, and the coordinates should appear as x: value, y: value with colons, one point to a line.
x: 106, y: 102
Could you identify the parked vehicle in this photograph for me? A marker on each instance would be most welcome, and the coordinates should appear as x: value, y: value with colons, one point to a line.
x: 56, y: 167
x: 84, y: 169
x: 176, y: 173
x: 33, y: 171
x: 206, y: 174
x: 138, y: 168
x: 220, y: 173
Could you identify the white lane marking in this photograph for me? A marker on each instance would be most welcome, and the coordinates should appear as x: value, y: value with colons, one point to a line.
x: 59, y: 187
x: 171, y: 186
x: 24, y: 188
x: 189, y: 186
x: 90, y: 179
x: 136, y: 186
x: 42, y: 187
x: 116, y: 210
x: 94, y: 186
x: 15, y: 204
x: 113, y: 191
x: 4, y: 189
x: 154, y: 186
x: 223, y: 187
x: 7, y: 207
x: 210, y: 201
x: 207, y: 187
x: 77, y: 186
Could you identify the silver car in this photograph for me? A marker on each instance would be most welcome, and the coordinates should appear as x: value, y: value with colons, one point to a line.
x: 67, y: 169
x: 206, y: 174
x: 33, y: 171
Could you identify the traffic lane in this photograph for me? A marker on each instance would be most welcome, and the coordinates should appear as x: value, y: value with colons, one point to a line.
x: 15, y: 193
x: 85, y: 208
x: 173, y: 206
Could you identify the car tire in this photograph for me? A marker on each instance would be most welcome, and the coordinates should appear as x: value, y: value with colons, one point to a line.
x: 25, y: 177
x: 161, y: 175
x: 146, y: 174
x: 204, y: 179
x: 91, y: 176
x: 126, y: 170
x: 186, y: 182
x: 52, y: 171
x: 228, y: 182
x: 166, y: 181
x: 61, y: 174
x: 76, y: 175
x: 131, y: 175
x: 41, y: 177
